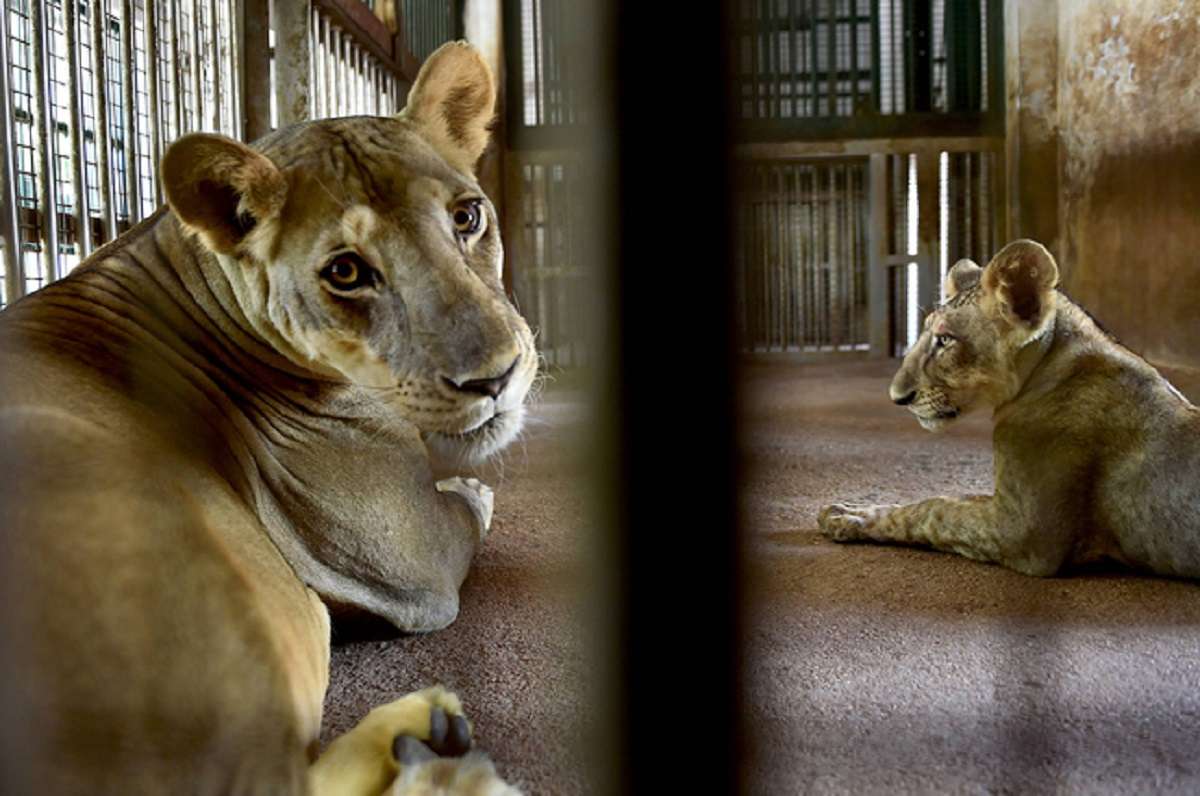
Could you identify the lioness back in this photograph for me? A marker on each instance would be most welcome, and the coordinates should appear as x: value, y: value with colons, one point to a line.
x: 224, y: 418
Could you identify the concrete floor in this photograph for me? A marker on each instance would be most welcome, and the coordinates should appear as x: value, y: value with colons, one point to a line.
x: 869, y: 669
x: 884, y: 669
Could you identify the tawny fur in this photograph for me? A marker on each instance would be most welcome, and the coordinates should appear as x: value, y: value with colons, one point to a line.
x: 1096, y: 454
x: 202, y: 441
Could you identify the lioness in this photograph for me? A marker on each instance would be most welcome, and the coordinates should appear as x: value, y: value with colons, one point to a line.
x: 220, y: 420
x: 1096, y: 454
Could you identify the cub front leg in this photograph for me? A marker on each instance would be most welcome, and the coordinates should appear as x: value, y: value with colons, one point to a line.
x: 974, y: 527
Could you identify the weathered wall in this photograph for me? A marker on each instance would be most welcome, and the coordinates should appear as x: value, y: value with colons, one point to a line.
x: 1124, y: 118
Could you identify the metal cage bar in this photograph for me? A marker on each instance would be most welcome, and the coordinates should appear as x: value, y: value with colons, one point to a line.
x: 9, y: 227
x: 43, y: 111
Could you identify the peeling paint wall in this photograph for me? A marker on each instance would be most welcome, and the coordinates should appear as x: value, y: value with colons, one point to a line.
x: 1125, y: 122
x: 1031, y: 85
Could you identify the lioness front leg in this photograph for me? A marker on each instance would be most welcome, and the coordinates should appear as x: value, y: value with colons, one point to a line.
x: 408, y: 747
x: 973, y: 526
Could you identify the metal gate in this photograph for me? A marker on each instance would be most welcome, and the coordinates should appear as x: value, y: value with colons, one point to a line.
x: 93, y: 91
x: 802, y: 256
x: 548, y: 282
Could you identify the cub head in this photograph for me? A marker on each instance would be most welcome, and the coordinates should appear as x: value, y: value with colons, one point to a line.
x: 364, y: 250
x: 967, y: 354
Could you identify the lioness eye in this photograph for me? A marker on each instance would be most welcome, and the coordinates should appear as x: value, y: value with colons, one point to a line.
x: 468, y: 217
x: 347, y: 271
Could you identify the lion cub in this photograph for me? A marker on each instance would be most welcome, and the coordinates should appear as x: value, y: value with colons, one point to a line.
x: 1096, y: 454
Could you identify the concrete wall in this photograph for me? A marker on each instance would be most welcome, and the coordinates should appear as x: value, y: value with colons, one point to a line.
x: 1104, y: 159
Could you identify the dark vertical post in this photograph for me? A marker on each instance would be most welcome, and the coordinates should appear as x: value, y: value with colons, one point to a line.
x: 964, y: 54
x: 679, y: 619
x: 876, y: 55
x: 256, y: 69
x: 918, y: 32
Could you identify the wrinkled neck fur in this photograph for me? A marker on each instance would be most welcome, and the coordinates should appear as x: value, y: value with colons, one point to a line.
x: 233, y: 297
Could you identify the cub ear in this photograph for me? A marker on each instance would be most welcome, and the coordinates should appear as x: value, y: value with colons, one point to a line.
x: 221, y: 189
x: 1022, y: 278
x: 963, y: 276
x: 452, y: 103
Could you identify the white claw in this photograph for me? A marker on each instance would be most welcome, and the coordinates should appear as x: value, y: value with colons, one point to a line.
x: 478, y: 496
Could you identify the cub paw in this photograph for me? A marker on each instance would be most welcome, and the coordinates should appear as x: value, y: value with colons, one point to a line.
x: 478, y: 497
x: 847, y: 522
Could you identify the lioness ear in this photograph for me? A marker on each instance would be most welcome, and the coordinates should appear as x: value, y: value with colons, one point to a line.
x: 963, y: 276
x: 1022, y: 278
x: 221, y: 189
x: 452, y: 102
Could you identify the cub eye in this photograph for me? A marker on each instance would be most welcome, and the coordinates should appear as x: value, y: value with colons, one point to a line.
x: 942, y: 340
x: 468, y: 217
x: 347, y: 272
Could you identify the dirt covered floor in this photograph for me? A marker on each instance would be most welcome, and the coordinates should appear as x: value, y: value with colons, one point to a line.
x: 516, y: 654
x: 886, y: 670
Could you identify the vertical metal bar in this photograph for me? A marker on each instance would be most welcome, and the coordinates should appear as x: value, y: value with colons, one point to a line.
x: 255, y: 58
x: 214, y: 60
x: 833, y: 58
x: 43, y: 108
x: 769, y: 27
x: 793, y: 63
x: 100, y: 93
x: 538, y: 88
x: 781, y: 255
x: 9, y: 228
x: 150, y: 28
x: 83, y: 232
x: 316, y: 65
x: 928, y: 281
x: 133, y: 205
x: 197, y: 60
x: 816, y: 61
x: 854, y: 109
x: 342, y: 72
x: 755, y: 50
x: 356, y: 78
x: 876, y: 56
x: 176, y: 68
x: 329, y: 56
x: 237, y: 90
x: 292, y: 90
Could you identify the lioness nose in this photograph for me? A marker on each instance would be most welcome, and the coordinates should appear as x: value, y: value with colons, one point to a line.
x: 491, y: 386
x: 904, y: 400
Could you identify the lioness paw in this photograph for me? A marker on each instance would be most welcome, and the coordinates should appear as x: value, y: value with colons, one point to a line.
x: 478, y: 496
x: 449, y: 735
x: 847, y: 522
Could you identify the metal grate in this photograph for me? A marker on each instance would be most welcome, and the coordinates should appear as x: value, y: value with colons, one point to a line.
x: 347, y: 79
x: 968, y: 225
x: 802, y: 255
x: 427, y: 25
x: 544, y: 104
x: 549, y: 285
x: 96, y: 88
x: 810, y: 61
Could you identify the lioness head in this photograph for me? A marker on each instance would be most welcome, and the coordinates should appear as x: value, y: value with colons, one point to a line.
x: 967, y: 354
x: 365, y: 250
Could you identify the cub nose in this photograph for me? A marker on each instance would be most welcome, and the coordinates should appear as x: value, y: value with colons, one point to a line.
x: 490, y: 386
x: 904, y: 400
